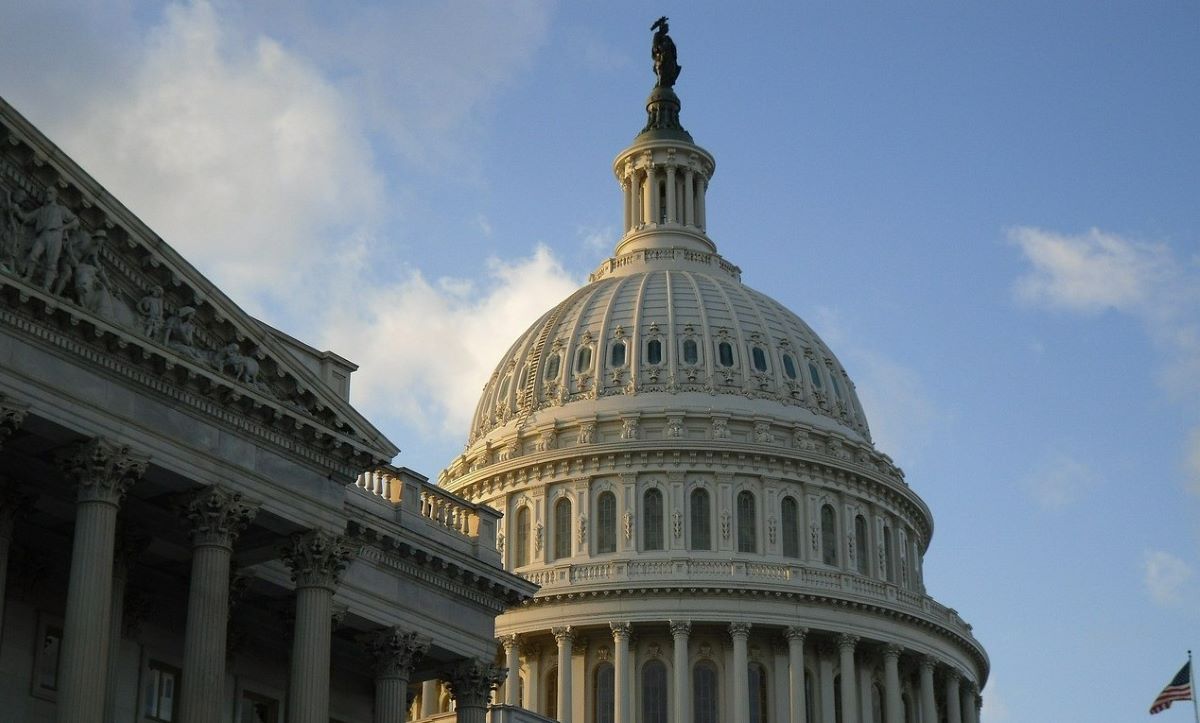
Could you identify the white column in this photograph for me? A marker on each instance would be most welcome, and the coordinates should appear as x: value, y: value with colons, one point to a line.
x: 970, y: 702
x: 796, y: 703
x: 512, y: 659
x: 846, y: 643
x: 622, y: 690
x: 317, y: 559
x: 928, y: 704
x: 564, y: 637
x: 652, y: 193
x: 533, y: 686
x: 680, y: 630
x: 627, y: 202
x: 740, y: 632
x: 429, y: 698
x: 701, y: 209
x: 689, y: 197
x: 893, y: 703
x: 637, y: 205
x: 866, y: 696
x: 953, y: 702
x: 471, y: 684
x: 671, y: 213
x: 394, y: 652
x: 104, y: 471
x: 217, y: 516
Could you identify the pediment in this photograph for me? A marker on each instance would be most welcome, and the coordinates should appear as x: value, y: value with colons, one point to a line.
x: 120, y: 294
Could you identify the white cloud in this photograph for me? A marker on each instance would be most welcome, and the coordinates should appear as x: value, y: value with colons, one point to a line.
x: 426, y: 349
x: 1165, y: 576
x: 1059, y: 482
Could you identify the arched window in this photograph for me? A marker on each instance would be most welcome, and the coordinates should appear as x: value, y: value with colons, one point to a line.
x: 701, y: 521
x: 522, y: 541
x: 562, y: 528
x: 704, y: 693
x: 789, y: 366
x: 746, y: 523
x: 814, y: 375
x: 551, y: 694
x: 888, y: 570
x: 877, y: 704
x: 604, y: 694
x: 828, y: 535
x: 860, y: 543
x: 617, y: 357
x: 583, y: 359
x: 654, y: 352
x: 552, y: 365
x: 654, y: 692
x: 789, y: 513
x: 758, y: 693
x: 725, y: 354
x: 652, y: 529
x: 760, y: 358
x: 606, y: 522
x: 691, y: 352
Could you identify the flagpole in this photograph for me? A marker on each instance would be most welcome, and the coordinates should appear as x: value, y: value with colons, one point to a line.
x: 1192, y: 680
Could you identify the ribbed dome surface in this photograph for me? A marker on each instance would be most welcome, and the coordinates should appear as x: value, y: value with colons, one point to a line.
x: 685, y: 338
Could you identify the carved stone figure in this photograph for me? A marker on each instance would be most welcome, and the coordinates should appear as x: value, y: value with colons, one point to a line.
x: 663, y: 52
x: 50, y: 222
x: 12, y: 229
x: 151, y: 308
x: 180, y: 332
x: 230, y: 360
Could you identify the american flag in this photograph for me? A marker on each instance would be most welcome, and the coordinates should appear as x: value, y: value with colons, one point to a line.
x: 1180, y: 688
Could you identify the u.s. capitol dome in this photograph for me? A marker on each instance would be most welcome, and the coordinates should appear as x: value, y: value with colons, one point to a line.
x: 686, y: 470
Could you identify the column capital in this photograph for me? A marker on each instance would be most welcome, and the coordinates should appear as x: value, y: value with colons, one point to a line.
x: 621, y: 630
x: 103, y: 470
x: 847, y: 641
x: 739, y: 630
x: 394, y: 651
x: 510, y: 641
x: 680, y: 628
x: 563, y: 634
x: 892, y: 650
x: 12, y: 416
x: 796, y: 633
x: 471, y: 682
x: 928, y: 662
x: 217, y: 516
x: 530, y: 650
x: 317, y: 558
x: 953, y: 675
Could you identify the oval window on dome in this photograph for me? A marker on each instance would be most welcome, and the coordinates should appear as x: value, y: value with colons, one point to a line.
x: 760, y: 358
x: 814, y: 375
x: 837, y: 389
x: 654, y: 352
x: 552, y: 365
x: 583, y: 360
x: 725, y: 354
x: 691, y: 352
x: 617, y: 357
x: 789, y: 366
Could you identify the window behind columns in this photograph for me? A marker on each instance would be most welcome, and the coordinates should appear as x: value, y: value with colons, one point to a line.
x: 654, y: 692
x: 652, y: 531
x: 746, y: 523
x: 562, y: 528
x: 522, y: 541
x: 606, y: 522
x: 757, y: 689
x: 828, y: 535
x: 810, y: 700
x: 860, y: 543
x: 789, y: 512
x: 604, y: 694
x: 701, y: 520
x: 704, y: 693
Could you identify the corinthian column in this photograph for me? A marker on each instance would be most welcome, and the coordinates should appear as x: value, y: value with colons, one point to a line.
x: 395, y: 652
x: 512, y: 660
x: 679, y: 632
x: 893, y: 703
x: 740, y: 632
x: 928, y: 704
x: 971, y: 703
x: 953, y: 701
x: 846, y: 643
x: 565, y: 638
x: 471, y: 683
x: 621, y: 632
x: 317, y: 559
x: 103, y: 471
x: 217, y: 516
x: 796, y: 703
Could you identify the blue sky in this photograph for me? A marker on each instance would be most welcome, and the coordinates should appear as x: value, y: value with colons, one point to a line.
x: 989, y: 211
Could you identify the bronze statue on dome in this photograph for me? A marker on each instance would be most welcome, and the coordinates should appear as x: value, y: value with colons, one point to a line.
x: 663, y: 52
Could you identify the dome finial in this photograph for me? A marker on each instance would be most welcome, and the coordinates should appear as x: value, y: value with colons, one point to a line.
x: 663, y: 52
x: 662, y: 108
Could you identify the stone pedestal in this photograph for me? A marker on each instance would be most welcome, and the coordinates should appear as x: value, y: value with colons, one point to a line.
x: 394, y: 652
x: 216, y: 516
x: 471, y: 683
x: 680, y: 631
x: 317, y: 559
x: 103, y: 471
